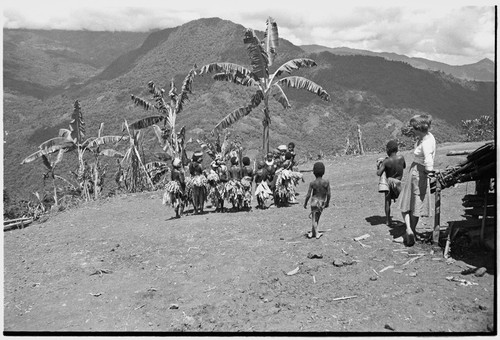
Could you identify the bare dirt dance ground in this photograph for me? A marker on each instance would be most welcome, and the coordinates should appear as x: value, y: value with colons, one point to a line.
x: 124, y: 265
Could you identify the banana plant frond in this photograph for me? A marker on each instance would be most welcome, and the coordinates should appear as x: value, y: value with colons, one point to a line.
x: 142, y: 103
x: 46, y: 162
x: 258, y: 59
x: 106, y: 140
x: 77, y: 124
x: 155, y: 165
x: 146, y: 122
x: 292, y: 65
x: 186, y: 89
x: 237, y: 78
x: 101, y: 129
x: 65, y: 133
x: 281, y: 97
x: 59, y: 157
x: 43, y: 152
x: 271, y: 39
x: 226, y: 68
x: 161, y: 134
x: 154, y: 90
x: 224, y: 148
x: 306, y: 84
x: 207, y: 147
x: 239, y: 113
x: 173, y: 91
x: 111, y: 153
x: 61, y: 141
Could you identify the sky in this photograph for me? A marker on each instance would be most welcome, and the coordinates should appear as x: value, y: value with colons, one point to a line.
x: 453, y: 32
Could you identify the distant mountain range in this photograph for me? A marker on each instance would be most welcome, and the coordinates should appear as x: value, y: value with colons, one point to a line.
x: 483, y: 70
x: 46, y: 71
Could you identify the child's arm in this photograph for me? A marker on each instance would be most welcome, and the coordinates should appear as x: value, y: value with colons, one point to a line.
x: 381, y: 168
x: 308, y: 195
x: 327, y: 203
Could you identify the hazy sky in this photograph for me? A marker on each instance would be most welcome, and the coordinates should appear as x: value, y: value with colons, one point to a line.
x: 453, y: 32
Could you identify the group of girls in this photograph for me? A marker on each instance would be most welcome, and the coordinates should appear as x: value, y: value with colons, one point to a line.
x: 275, y: 179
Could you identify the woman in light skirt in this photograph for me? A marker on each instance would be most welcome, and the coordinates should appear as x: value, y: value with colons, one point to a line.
x: 415, y: 198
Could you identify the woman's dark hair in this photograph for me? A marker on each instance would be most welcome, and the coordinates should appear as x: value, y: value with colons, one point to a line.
x: 246, y: 161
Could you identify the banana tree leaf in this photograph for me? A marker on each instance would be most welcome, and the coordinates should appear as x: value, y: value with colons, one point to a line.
x: 207, y: 147
x: 272, y: 41
x: 65, y: 133
x: 292, y: 65
x: 185, y: 89
x: 146, y: 122
x: 226, y: 68
x: 46, y: 162
x: 106, y: 140
x: 280, y: 96
x: 101, y: 129
x: 259, y: 60
x: 111, y: 153
x: 77, y: 124
x: 239, y: 113
x: 47, y: 151
x: 237, y: 78
x: 153, y: 90
x: 59, y: 157
x: 306, y: 84
x: 159, y: 134
x: 156, y: 166
x: 65, y: 142
x: 142, y: 103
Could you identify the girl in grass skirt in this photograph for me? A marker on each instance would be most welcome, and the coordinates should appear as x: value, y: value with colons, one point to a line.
x: 286, y: 181
x: 262, y: 191
x: 175, y: 188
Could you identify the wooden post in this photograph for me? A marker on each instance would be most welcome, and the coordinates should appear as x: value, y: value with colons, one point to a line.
x: 346, y: 145
x: 485, y: 215
x: 361, y: 151
x: 437, y: 214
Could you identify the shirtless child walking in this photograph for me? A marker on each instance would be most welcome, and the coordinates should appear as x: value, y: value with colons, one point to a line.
x: 320, y: 191
x: 393, y: 166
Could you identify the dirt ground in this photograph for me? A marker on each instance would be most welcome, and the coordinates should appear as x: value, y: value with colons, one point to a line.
x: 124, y: 264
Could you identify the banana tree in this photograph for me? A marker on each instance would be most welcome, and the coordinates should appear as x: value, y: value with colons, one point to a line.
x: 262, y: 55
x: 164, y: 124
x: 73, y: 139
x: 135, y: 173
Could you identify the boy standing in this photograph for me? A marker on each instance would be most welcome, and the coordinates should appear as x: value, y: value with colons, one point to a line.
x: 320, y: 190
x: 393, y: 167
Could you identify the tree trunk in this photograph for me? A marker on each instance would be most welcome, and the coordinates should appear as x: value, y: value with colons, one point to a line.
x: 265, y: 138
x: 96, y: 178
x: 55, y: 189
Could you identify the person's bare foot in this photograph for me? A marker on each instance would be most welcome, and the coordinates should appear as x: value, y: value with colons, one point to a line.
x: 318, y: 235
x: 309, y: 235
x: 410, y: 239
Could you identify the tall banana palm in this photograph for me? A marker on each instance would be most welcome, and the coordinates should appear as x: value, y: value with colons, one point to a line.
x: 171, y: 140
x: 73, y: 139
x: 262, y: 54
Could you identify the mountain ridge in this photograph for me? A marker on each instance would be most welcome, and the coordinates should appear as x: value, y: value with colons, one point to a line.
x: 483, y: 70
x: 378, y: 95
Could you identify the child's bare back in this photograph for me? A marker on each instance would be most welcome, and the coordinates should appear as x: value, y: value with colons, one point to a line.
x: 319, y: 193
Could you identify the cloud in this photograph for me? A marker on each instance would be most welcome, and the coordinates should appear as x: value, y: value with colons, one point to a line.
x: 452, y: 34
